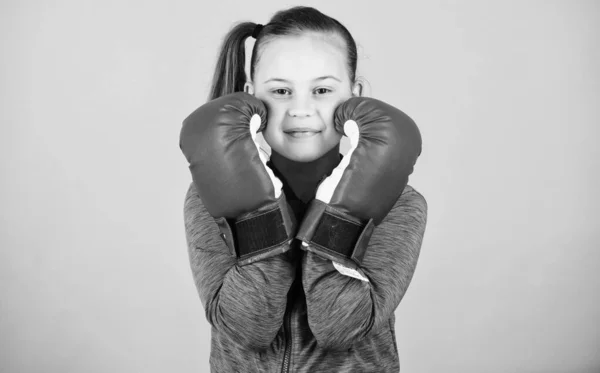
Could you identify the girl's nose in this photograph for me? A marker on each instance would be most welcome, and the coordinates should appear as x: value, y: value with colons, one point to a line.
x: 301, y: 107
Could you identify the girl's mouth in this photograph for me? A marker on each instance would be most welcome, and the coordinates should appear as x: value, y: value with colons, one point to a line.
x: 302, y: 134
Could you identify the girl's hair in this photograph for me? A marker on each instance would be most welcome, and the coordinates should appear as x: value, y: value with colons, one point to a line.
x: 230, y: 73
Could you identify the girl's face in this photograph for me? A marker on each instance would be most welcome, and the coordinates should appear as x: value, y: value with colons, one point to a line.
x: 302, y: 80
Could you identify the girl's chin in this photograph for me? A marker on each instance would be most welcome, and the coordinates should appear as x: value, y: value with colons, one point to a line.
x: 305, y: 158
x: 303, y: 154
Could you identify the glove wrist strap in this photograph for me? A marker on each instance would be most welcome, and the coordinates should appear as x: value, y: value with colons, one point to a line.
x: 336, y: 235
x: 260, y: 234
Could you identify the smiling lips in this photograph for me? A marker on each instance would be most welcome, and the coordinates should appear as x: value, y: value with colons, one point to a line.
x: 301, y: 132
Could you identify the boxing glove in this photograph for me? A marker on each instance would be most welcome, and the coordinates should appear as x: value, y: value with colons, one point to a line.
x: 233, y: 181
x: 363, y: 188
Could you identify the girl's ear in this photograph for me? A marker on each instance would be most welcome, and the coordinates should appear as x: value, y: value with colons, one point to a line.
x: 357, y: 89
x: 249, y: 88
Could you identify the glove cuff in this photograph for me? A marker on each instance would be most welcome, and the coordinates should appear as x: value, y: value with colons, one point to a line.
x: 261, y: 234
x: 335, y: 235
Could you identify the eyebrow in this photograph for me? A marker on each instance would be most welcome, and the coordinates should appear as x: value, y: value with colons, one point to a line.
x: 314, y: 80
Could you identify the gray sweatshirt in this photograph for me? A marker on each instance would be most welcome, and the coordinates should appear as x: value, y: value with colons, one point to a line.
x: 295, y: 312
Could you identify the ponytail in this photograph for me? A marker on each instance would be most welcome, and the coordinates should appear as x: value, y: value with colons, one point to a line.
x: 230, y: 73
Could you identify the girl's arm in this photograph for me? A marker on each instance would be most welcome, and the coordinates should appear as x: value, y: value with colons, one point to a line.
x: 248, y: 302
x: 343, y: 309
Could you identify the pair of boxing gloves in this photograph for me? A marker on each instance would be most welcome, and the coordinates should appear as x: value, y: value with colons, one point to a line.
x: 246, y: 199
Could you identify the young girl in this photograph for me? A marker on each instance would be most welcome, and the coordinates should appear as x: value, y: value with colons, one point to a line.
x: 300, y: 260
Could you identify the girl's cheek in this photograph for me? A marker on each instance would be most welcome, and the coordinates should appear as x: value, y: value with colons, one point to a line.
x: 274, y: 111
x: 327, y: 114
x: 274, y: 117
x: 272, y: 105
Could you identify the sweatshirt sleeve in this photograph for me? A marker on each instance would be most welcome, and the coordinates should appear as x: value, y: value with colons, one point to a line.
x: 247, y: 303
x: 342, y: 309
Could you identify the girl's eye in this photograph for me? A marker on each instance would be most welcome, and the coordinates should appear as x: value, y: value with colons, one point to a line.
x: 322, y: 91
x: 281, y: 91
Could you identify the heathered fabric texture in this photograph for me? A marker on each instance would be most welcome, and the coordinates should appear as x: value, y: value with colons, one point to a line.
x: 299, y: 303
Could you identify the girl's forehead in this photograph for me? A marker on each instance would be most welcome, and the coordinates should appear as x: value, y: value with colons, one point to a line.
x: 308, y: 43
x: 301, y: 58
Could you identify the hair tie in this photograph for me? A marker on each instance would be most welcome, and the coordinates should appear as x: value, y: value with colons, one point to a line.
x: 257, y: 30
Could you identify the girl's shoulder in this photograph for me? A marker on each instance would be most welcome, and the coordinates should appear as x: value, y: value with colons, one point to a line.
x: 410, y: 192
x: 412, y: 199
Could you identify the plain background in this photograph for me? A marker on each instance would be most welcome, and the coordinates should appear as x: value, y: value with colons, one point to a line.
x: 94, y: 273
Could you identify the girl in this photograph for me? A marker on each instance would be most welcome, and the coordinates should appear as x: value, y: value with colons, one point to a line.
x: 295, y: 307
